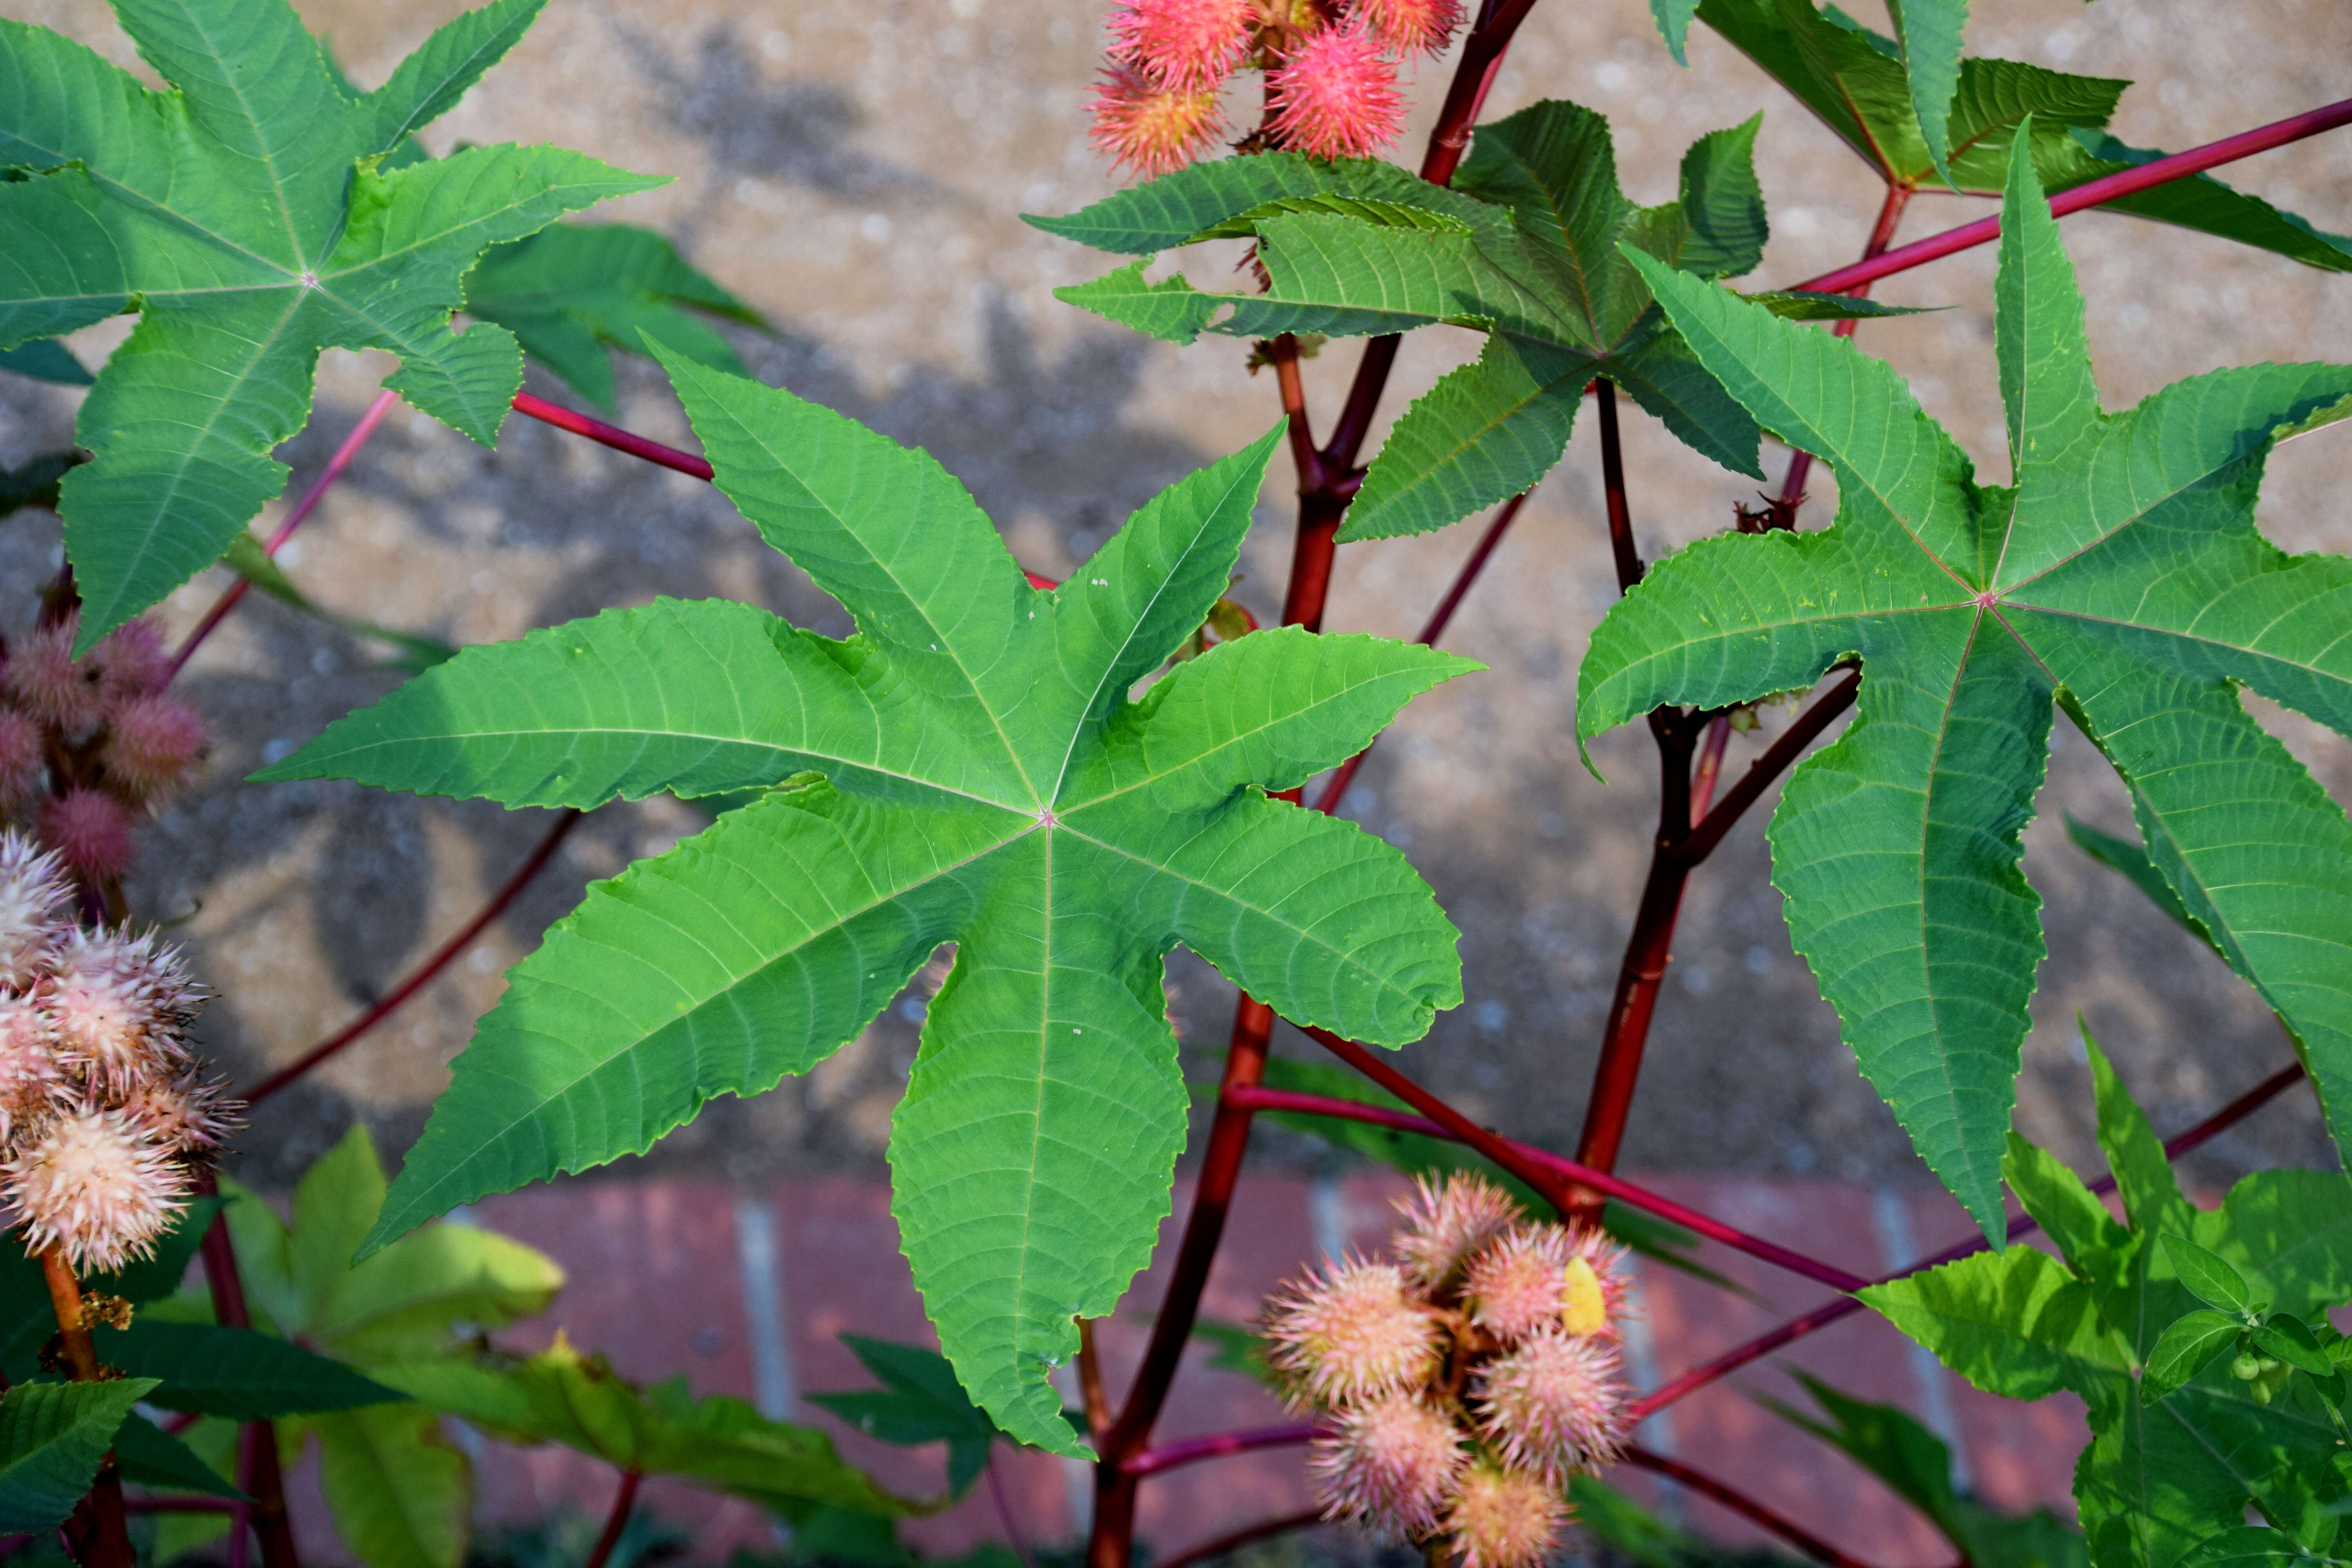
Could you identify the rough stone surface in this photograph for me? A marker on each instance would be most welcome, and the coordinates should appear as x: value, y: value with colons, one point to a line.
x: 855, y: 171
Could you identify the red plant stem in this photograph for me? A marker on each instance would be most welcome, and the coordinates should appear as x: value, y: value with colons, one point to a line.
x: 259, y: 1476
x: 1335, y: 787
x: 1777, y: 758
x: 1829, y: 1313
x: 1747, y: 1507
x: 1233, y: 1540
x: 96, y: 1532
x: 1558, y: 1178
x: 178, y: 1505
x: 612, y: 436
x: 300, y: 513
x: 1710, y: 766
x: 2124, y: 182
x: 423, y: 975
x: 624, y: 1497
x: 1090, y: 1382
x: 1612, y: 488
x: 1193, y: 1450
x: 1881, y: 234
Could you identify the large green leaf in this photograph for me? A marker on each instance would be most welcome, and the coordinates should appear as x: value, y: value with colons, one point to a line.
x: 251, y: 218
x: 986, y: 780
x: 53, y: 1436
x: 1523, y: 247
x: 233, y: 1371
x: 401, y: 1495
x: 571, y: 290
x: 1857, y: 83
x: 562, y: 1396
x: 920, y: 1401
x: 2121, y: 573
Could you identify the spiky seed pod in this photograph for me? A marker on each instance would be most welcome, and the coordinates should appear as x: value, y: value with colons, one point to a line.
x: 1388, y: 1464
x: 1445, y: 1222
x: 1520, y: 1283
x: 131, y: 662
x: 185, y: 1115
x: 1151, y: 129
x: 1189, y: 45
x: 91, y: 830
x: 119, y: 1003
x: 1409, y: 26
x: 33, y: 894
x: 1555, y: 1405
x: 43, y: 678
x: 1336, y: 95
x: 30, y: 1079
x: 151, y: 742
x: 24, y: 766
x: 1347, y: 1331
x: 1504, y: 1518
x: 96, y: 1185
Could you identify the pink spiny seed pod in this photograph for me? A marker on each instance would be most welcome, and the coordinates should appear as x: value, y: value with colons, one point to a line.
x: 1505, y: 1518
x: 91, y: 830
x: 1189, y: 45
x: 1520, y: 1283
x: 1409, y: 26
x: 96, y: 1185
x: 33, y: 894
x: 130, y: 661
x: 1389, y: 1464
x: 42, y: 679
x: 1555, y: 1405
x: 186, y: 1115
x: 151, y: 743
x: 119, y: 1004
x: 1347, y: 1331
x: 1151, y: 129
x: 30, y: 1079
x: 1336, y: 95
x: 1445, y: 1222
x: 24, y: 766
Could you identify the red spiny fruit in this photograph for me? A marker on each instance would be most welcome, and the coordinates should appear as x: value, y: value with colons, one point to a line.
x: 119, y: 1006
x: 1348, y: 1331
x: 93, y: 1183
x: 1520, y: 1284
x: 130, y: 661
x: 1336, y: 95
x: 43, y: 678
x: 1408, y: 26
x: 1555, y: 1405
x: 1505, y: 1518
x: 1190, y: 46
x: 1445, y: 1222
x: 1151, y: 129
x: 151, y: 742
x: 33, y: 894
x: 1389, y: 1464
x: 91, y: 830
x: 186, y: 1115
x: 29, y: 1077
x: 24, y: 762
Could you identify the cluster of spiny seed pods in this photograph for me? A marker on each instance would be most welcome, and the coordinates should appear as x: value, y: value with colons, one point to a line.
x: 1330, y: 74
x: 1463, y: 1382
x: 104, y: 1112
x: 88, y: 744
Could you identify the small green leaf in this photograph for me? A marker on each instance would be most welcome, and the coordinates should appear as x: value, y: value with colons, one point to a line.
x: 34, y: 483
x: 233, y: 1371
x: 2186, y: 1348
x: 1930, y: 32
x: 2214, y: 1282
x: 2289, y: 1339
x: 1674, y: 19
x: 1803, y: 305
x: 920, y: 1401
x: 151, y: 1456
x: 52, y: 1438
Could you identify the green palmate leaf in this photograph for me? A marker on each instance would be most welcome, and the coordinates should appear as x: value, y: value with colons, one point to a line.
x: 1523, y: 247
x: 2121, y: 574
x: 252, y: 218
x: 2180, y: 1447
x: 233, y: 1371
x: 986, y: 780
x: 401, y: 1497
x: 920, y: 1401
x: 52, y: 1438
x: 1674, y: 19
x: 562, y: 1396
x: 1857, y: 82
x: 573, y: 291
x: 1928, y: 32
x: 45, y: 360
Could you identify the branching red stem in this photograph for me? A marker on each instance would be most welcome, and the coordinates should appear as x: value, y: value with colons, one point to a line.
x: 258, y: 1474
x: 612, y: 436
x: 1557, y: 1178
x: 1193, y: 1450
x: 624, y: 1498
x: 302, y: 509
x: 1746, y: 1507
x: 423, y: 975
x: 1612, y: 488
x: 1777, y: 758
